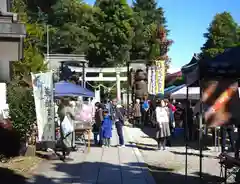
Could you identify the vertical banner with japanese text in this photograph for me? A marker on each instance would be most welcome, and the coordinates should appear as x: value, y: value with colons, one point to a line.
x: 44, y: 105
x: 156, y: 78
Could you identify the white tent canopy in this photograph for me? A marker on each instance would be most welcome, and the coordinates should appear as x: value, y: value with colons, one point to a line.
x: 193, y: 93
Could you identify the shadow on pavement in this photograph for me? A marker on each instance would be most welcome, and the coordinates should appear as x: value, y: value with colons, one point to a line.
x: 165, y: 176
x: 12, y: 146
x: 96, y: 172
x: 193, y: 154
x: 178, y: 141
x: 8, y: 176
x: 146, y: 147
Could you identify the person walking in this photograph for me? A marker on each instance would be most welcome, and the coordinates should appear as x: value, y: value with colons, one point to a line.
x: 65, y: 111
x: 163, y: 128
x: 98, y: 121
x: 106, y: 129
x: 137, y: 113
x: 119, y: 122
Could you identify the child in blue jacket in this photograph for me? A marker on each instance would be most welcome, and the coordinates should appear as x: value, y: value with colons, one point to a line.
x: 106, y: 128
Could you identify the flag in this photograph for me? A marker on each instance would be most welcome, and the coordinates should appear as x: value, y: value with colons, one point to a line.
x: 44, y: 104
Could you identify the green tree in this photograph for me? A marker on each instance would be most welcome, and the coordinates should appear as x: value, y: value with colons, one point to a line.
x: 33, y: 58
x: 66, y: 21
x: 222, y: 33
x: 159, y: 46
x: 20, y: 97
x: 149, y: 11
x: 111, y: 33
x: 150, y: 41
x: 71, y: 19
x: 238, y: 35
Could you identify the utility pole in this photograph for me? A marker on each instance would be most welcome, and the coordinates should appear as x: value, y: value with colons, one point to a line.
x: 47, y: 41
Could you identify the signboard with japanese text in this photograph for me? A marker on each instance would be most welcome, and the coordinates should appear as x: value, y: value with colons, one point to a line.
x: 156, y: 78
x: 44, y: 104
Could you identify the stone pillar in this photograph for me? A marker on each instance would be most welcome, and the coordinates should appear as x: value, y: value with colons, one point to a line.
x: 118, y: 86
x: 84, y: 74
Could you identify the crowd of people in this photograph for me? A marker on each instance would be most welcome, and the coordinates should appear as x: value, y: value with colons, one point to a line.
x: 107, y: 117
x: 166, y: 115
x: 162, y: 114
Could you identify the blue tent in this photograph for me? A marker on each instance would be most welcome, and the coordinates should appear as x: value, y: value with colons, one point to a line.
x: 174, y: 89
x: 169, y: 88
x: 64, y: 88
x: 166, y: 90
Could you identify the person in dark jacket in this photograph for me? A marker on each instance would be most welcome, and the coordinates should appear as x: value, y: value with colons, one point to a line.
x: 137, y: 113
x: 188, y: 118
x: 119, y: 122
x: 98, y: 122
x: 224, y: 130
x: 237, y: 143
x: 171, y: 122
x: 179, y: 115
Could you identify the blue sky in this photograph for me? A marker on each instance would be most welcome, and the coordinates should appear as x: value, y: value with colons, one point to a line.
x: 187, y: 21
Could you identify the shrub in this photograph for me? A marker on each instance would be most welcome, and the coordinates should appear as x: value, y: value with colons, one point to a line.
x: 21, y: 109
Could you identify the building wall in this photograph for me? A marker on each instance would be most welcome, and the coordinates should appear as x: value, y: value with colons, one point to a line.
x: 7, y: 53
x: 4, y: 5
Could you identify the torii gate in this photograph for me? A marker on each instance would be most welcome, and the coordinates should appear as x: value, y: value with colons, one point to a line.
x: 54, y: 62
x: 118, y: 78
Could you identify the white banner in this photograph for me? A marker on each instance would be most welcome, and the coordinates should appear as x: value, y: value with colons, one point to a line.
x: 152, y: 80
x: 156, y: 78
x: 44, y: 104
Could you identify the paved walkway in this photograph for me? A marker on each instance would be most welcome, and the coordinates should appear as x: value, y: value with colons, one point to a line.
x: 101, y: 166
x: 169, y: 166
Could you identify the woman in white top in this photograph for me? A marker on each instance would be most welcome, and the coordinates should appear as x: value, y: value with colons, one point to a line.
x: 163, y: 129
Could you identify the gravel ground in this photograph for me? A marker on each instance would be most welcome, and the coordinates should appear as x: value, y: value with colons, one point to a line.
x: 169, y: 166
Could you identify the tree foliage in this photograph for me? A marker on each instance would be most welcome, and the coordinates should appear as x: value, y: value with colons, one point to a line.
x: 113, y: 33
x: 150, y: 41
x: 33, y: 58
x: 108, y: 33
x: 223, y: 32
x: 19, y: 93
x: 22, y: 109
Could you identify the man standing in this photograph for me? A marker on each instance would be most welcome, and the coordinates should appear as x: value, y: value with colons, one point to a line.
x: 119, y: 122
x: 97, y: 124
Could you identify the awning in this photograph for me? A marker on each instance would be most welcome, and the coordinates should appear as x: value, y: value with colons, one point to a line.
x: 193, y: 93
x: 175, y: 89
x: 160, y: 95
x: 168, y: 91
x: 64, y: 88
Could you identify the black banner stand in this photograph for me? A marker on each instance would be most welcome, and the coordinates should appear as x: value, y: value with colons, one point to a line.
x: 186, y: 136
x: 200, y: 135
